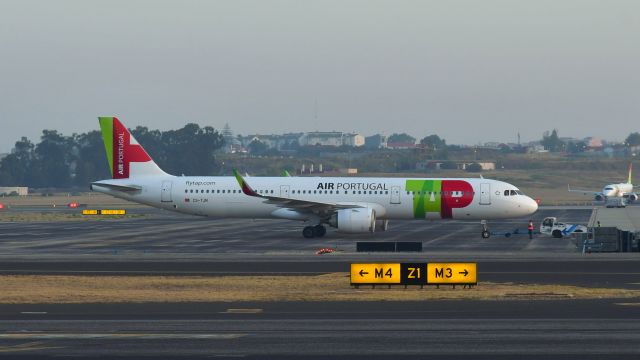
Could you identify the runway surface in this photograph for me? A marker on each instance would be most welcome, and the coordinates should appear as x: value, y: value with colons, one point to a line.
x: 172, y: 244
x: 166, y: 232
x: 164, y: 243
x: 458, y: 329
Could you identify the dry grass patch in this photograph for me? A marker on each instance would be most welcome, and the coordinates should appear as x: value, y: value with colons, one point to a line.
x: 8, y: 216
x: 61, y: 199
x: 329, y: 287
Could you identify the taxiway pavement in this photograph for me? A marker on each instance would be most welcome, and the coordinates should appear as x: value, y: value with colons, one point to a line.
x: 164, y: 243
x: 452, y: 329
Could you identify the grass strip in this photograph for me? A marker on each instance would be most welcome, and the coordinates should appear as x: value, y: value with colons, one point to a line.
x: 24, y: 289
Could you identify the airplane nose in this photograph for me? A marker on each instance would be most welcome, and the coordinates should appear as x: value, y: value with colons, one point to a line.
x: 532, y: 205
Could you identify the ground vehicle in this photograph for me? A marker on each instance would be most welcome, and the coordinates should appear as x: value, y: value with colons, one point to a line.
x: 616, y: 203
x: 551, y: 226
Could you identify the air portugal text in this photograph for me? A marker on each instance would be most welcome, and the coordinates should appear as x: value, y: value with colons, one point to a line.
x: 351, y: 186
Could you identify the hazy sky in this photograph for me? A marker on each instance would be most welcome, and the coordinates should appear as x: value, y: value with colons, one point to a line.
x: 470, y: 71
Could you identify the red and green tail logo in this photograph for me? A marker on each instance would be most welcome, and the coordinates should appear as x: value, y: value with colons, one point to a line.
x: 122, y: 148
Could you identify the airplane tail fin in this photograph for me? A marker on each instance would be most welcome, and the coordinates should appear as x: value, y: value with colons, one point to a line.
x: 126, y: 156
x: 630, y: 168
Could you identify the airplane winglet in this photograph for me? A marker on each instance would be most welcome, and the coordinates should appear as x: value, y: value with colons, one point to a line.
x: 630, y: 168
x: 246, y: 189
x: 285, y: 173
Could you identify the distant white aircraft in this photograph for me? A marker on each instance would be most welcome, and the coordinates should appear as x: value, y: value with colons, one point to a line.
x: 620, y: 190
x: 350, y: 204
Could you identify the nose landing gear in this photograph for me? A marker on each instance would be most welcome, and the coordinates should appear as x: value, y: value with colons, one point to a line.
x: 485, y: 229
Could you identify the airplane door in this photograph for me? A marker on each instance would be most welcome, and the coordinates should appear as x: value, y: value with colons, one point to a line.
x: 284, y: 191
x: 395, y: 194
x: 485, y: 194
x: 165, y: 194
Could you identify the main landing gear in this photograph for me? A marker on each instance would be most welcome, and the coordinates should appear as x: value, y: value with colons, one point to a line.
x: 314, y: 231
x: 485, y: 229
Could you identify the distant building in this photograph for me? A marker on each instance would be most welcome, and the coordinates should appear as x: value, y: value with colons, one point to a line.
x: 485, y: 165
x: 19, y: 190
x: 312, y: 168
x: 536, y: 148
x: 492, y: 145
x: 331, y: 138
x: 279, y: 142
x: 593, y: 143
x: 235, y: 148
x: 401, y: 145
x: 460, y: 165
x: 231, y: 144
x: 2, y: 156
x: 376, y: 141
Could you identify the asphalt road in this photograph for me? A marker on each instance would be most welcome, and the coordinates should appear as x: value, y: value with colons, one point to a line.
x: 172, y: 244
x: 453, y: 329
x: 166, y: 232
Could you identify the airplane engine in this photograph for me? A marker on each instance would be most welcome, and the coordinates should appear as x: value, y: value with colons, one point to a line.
x: 356, y: 220
x: 632, y: 197
x: 599, y: 197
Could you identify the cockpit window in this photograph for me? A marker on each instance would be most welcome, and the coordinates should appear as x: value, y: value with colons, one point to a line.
x: 608, y: 188
x: 506, y: 193
x: 519, y: 192
x: 513, y: 192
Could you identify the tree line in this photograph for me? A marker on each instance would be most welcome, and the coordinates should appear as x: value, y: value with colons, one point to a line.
x: 552, y: 142
x: 60, y: 161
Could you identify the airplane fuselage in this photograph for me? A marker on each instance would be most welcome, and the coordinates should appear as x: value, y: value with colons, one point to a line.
x: 617, y: 190
x: 391, y: 198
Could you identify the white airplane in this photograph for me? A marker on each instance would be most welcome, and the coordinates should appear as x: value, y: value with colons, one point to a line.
x: 620, y: 190
x: 352, y: 205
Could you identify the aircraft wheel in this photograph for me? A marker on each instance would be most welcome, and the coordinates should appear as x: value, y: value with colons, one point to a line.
x: 319, y: 230
x: 486, y: 234
x: 308, y: 232
x: 557, y: 234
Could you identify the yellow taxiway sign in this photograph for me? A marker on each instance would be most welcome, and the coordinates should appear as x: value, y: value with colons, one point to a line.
x: 375, y: 274
x: 451, y: 273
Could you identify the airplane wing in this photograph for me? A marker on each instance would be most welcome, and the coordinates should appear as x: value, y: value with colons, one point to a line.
x: 317, y: 207
x: 584, y: 192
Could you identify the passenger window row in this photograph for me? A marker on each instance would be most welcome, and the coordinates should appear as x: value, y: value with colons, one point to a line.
x: 197, y: 191
x: 441, y: 192
x: 345, y: 192
x: 218, y: 191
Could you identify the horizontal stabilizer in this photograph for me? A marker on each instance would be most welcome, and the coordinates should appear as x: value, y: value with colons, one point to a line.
x: 125, y: 188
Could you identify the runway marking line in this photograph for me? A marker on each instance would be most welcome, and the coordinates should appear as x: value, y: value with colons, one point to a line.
x: 627, y: 304
x: 33, y: 312
x: 85, y: 336
x: 30, y: 346
x: 242, y: 311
